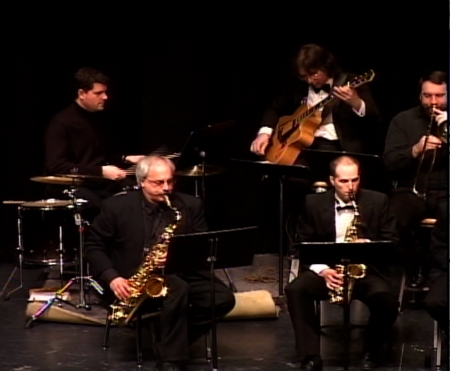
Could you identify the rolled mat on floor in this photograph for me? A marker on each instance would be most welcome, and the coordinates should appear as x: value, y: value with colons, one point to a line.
x: 253, y: 304
x: 249, y: 304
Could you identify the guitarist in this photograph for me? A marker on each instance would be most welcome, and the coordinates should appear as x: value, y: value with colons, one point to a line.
x: 346, y: 125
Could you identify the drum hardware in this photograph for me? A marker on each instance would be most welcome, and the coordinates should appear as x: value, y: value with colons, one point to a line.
x: 45, y: 260
x: 200, y: 171
x: 76, y: 205
x: 58, y: 297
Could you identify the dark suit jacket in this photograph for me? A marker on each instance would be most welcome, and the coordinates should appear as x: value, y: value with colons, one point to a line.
x: 354, y: 133
x: 317, y: 222
x: 115, y: 241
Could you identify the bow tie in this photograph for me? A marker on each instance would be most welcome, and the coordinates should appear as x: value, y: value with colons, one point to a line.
x: 345, y: 207
x: 326, y: 88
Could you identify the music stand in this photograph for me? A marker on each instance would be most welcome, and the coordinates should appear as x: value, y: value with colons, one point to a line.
x: 209, y: 251
x: 331, y: 253
x: 374, y: 174
x: 281, y: 172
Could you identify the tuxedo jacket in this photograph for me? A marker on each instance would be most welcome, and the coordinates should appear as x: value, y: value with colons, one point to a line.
x: 355, y: 133
x: 317, y: 222
x: 116, y: 239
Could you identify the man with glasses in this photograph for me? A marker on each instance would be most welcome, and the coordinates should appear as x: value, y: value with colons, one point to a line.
x: 348, y: 124
x: 128, y: 226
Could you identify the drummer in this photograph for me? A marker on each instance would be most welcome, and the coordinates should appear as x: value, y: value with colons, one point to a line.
x: 77, y: 143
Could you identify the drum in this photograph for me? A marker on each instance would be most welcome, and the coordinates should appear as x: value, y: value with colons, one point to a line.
x: 48, y: 233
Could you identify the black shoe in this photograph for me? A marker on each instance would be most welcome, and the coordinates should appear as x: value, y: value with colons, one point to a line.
x: 313, y: 363
x: 170, y: 366
x: 417, y: 279
x: 369, y: 361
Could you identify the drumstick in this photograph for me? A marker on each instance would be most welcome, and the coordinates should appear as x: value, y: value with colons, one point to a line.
x: 10, y: 202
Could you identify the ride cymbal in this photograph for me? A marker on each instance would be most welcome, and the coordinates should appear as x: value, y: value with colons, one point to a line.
x: 56, y: 180
x: 197, y: 170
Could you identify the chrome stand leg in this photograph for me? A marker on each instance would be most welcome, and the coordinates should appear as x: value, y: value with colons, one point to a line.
x: 20, y: 249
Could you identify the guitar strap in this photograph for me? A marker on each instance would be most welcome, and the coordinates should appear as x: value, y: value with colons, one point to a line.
x: 341, y: 80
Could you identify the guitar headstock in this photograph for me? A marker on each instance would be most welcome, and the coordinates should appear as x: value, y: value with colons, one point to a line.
x: 361, y: 79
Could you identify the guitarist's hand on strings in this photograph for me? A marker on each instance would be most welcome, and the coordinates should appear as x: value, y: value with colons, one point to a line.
x: 260, y: 144
x: 348, y: 95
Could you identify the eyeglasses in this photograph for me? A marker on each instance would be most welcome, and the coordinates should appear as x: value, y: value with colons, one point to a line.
x: 305, y: 76
x: 160, y: 183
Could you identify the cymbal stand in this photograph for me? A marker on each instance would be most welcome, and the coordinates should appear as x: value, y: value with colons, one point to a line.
x: 20, y: 250
x: 58, y: 297
x: 77, y: 204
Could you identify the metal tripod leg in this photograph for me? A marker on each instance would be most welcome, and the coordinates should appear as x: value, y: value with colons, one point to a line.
x: 20, y: 250
x: 58, y: 298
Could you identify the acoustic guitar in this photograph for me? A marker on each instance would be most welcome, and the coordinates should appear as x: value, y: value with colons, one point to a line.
x: 294, y: 133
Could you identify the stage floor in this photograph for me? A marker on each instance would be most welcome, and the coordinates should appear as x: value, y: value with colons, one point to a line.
x: 251, y: 344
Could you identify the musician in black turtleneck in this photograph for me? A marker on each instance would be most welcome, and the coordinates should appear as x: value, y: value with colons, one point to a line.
x: 77, y: 141
x: 406, y: 147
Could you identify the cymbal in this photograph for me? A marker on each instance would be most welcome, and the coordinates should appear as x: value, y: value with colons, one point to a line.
x: 84, y: 178
x: 57, y: 180
x: 197, y: 170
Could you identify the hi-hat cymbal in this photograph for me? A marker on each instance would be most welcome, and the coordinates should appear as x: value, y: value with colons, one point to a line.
x: 197, y: 170
x: 57, y: 180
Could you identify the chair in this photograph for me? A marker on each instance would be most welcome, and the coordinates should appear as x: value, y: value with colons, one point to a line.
x: 316, y: 187
x: 153, y: 319
x: 426, y: 225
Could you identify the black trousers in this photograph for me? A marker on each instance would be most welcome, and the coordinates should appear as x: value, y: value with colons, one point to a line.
x: 186, y: 311
x: 409, y: 210
x: 372, y: 290
x: 436, y: 301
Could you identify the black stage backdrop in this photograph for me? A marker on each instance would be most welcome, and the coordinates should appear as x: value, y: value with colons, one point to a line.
x: 175, y: 72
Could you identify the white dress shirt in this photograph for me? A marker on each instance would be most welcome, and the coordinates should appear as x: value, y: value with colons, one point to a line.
x: 343, y: 219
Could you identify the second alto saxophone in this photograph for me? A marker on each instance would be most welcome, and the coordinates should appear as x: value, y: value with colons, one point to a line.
x: 351, y: 271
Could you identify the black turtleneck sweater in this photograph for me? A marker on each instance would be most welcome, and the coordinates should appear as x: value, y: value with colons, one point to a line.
x: 405, y: 130
x: 76, y: 142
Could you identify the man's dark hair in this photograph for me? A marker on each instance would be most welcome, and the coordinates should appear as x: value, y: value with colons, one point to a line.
x: 347, y: 160
x: 312, y: 57
x: 436, y: 77
x: 87, y: 76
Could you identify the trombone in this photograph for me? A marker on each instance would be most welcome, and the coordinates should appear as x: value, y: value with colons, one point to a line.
x: 441, y: 134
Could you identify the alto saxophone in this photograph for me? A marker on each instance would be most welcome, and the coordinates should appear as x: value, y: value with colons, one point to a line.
x: 351, y: 271
x: 147, y: 281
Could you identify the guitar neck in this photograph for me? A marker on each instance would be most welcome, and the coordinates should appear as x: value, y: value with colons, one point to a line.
x: 315, y: 108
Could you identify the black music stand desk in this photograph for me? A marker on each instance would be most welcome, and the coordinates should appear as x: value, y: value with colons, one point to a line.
x: 209, y: 251
x: 332, y: 253
x: 281, y: 172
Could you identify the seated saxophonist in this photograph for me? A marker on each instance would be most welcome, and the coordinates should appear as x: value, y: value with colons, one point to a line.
x: 328, y: 217
x: 129, y: 228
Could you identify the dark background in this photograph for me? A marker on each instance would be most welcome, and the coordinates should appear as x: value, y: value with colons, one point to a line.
x: 173, y: 72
